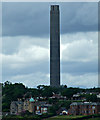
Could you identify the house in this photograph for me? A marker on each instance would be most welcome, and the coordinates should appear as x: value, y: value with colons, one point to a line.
x: 42, y: 107
x: 84, y: 108
x: 61, y: 111
x: 57, y: 96
x: 31, y: 105
x: 98, y: 96
x: 16, y: 107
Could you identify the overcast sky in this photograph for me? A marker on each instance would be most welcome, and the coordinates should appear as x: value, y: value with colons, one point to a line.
x: 26, y: 43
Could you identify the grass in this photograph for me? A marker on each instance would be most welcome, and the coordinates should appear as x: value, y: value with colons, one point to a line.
x: 65, y: 117
x: 93, y: 119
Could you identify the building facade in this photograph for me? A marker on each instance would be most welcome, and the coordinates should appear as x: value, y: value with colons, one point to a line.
x: 14, y: 108
x: 18, y: 107
x: 84, y: 108
x: 54, y: 46
x: 31, y: 105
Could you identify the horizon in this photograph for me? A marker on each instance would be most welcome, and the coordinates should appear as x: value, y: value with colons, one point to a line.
x: 51, y: 86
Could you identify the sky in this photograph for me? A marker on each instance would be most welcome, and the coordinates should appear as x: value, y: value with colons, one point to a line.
x: 26, y: 43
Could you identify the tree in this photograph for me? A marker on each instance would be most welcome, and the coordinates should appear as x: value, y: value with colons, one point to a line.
x: 92, y: 98
x: 68, y: 92
x: 50, y: 101
x: 47, y: 92
x: 11, y: 92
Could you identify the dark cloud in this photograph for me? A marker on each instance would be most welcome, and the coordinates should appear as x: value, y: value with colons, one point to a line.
x: 79, y: 68
x: 26, y: 41
x: 29, y: 69
x: 74, y: 68
x: 33, y: 19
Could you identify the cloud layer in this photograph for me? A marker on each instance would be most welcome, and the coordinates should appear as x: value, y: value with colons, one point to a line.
x: 79, y: 55
x: 26, y: 43
x: 33, y: 18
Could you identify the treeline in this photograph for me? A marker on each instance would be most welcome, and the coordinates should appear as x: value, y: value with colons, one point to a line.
x: 11, y: 92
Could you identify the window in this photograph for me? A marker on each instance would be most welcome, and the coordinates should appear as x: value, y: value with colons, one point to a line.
x: 93, y: 107
x: 37, y: 107
x: 53, y: 8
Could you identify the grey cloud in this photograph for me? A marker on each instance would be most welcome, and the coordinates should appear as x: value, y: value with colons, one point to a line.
x: 32, y: 79
x: 25, y: 19
x: 32, y: 19
x: 87, y: 80
x: 29, y: 69
x: 78, y: 17
x: 33, y: 55
x: 12, y: 45
x: 78, y: 68
x: 74, y: 68
x: 78, y: 77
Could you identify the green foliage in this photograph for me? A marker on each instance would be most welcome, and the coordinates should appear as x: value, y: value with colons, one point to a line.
x: 32, y: 117
x: 47, y: 92
x: 91, y: 98
x: 50, y: 101
x: 78, y: 117
x: 65, y: 104
x: 11, y: 92
x: 53, y: 109
x: 26, y: 113
x: 68, y: 92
